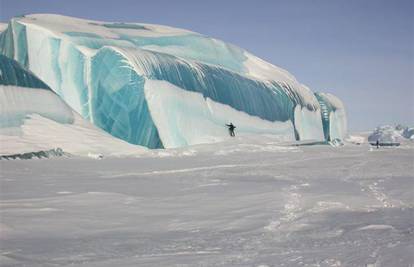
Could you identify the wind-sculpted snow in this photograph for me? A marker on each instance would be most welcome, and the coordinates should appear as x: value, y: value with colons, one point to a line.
x: 101, y: 70
x: 241, y: 202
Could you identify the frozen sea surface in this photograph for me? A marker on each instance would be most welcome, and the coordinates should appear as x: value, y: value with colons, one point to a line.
x: 236, y: 203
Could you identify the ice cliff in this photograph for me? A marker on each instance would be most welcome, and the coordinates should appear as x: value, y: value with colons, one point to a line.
x: 159, y: 86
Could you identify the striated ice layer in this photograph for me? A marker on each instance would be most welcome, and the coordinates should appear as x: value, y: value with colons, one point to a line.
x: 333, y: 116
x: 117, y: 100
x: 34, y: 118
x: 101, y: 69
x: 120, y: 74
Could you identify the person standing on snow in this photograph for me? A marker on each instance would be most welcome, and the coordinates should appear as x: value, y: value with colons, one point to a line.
x: 231, y: 129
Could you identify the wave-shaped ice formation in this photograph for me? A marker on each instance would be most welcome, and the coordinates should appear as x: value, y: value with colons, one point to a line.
x: 103, y: 71
x: 33, y: 118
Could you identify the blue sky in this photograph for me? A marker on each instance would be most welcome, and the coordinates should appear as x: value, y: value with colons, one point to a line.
x: 362, y: 51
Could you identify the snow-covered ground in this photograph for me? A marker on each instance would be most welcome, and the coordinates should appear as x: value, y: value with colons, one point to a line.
x: 242, y: 202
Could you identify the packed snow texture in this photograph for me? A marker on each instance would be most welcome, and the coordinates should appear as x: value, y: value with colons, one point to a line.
x: 391, y: 134
x: 242, y: 202
x: 33, y: 118
x: 101, y: 70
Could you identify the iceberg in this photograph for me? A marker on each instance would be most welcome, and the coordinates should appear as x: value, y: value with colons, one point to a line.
x: 162, y: 87
x: 386, y: 134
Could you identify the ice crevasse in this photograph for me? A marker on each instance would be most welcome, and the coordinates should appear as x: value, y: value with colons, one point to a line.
x: 160, y: 86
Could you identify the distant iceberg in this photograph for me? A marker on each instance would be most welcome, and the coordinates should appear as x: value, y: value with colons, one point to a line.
x: 159, y: 86
x: 391, y: 134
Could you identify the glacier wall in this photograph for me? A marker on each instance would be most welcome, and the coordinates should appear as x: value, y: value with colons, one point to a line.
x: 103, y: 71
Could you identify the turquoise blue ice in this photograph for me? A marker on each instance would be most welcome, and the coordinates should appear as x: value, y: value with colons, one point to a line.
x: 104, y: 72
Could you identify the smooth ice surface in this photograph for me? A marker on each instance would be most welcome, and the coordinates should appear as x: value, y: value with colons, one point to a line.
x: 100, y: 70
x: 187, y: 118
x: 308, y: 124
x: 16, y: 103
x: 244, y: 202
